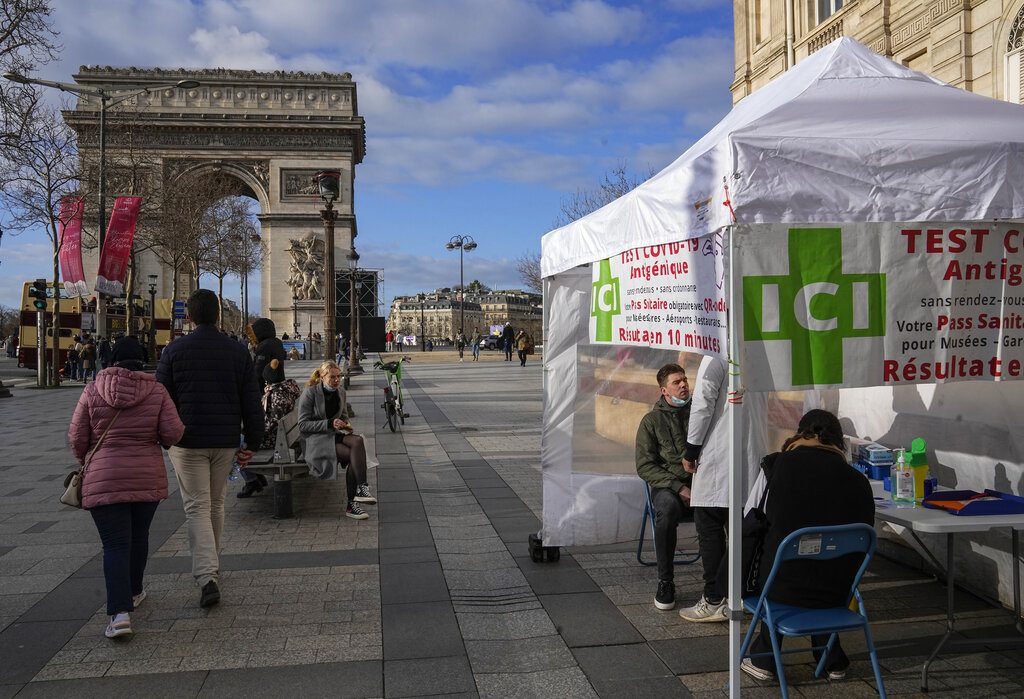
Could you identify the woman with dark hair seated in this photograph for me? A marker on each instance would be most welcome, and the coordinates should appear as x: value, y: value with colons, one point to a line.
x: 810, y: 484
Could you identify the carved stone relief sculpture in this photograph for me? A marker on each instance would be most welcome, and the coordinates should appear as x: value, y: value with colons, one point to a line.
x: 306, y: 269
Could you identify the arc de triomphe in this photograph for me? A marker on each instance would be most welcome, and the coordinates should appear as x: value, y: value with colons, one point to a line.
x: 269, y: 131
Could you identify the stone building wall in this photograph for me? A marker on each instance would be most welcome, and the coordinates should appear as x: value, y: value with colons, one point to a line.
x: 972, y: 44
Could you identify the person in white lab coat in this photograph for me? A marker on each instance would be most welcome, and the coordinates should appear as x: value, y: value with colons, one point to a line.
x: 707, y: 457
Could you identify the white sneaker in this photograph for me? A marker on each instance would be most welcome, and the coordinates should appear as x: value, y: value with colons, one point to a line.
x: 137, y: 599
x: 120, y: 625
x: 754, y: 671
x: 364, y: 495
x: 705, y: 611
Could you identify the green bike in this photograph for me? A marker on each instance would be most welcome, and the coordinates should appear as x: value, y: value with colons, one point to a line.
x: 393, y: 406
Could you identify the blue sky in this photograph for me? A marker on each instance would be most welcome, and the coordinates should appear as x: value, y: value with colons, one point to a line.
x: 481, y: 115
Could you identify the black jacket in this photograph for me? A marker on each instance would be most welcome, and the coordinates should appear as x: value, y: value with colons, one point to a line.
x: 269, y: 348
x: 660, y: 440
x: 811, y: 486
x: 213, y: 384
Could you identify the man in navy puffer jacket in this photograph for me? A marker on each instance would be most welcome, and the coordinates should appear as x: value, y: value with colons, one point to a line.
x: 213, y: 384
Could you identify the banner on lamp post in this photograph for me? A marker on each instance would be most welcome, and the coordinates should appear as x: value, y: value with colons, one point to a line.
x: 117, y: 246
x: 69, y: 232
x: 669, y: 296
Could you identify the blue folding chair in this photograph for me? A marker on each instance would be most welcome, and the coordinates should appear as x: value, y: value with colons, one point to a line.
x: 815, y: 544
x: 688, y: 557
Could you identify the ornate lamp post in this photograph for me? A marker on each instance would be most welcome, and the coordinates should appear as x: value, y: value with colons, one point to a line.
x: 423, y: 337
x: 295, y: 316
x: 328, y: 181
x: 353, y: 340
x: 107, y: 97
x: 464, y: 244
x: 152, y: 317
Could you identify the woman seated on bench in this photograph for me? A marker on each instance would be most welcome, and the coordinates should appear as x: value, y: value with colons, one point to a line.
x: 327, y: 437
x: 279, y: 398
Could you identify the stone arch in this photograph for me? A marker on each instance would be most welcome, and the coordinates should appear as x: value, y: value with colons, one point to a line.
x: 270, y: 131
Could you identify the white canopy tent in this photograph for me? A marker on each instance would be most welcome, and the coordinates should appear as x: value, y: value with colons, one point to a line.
x: 843, y: 140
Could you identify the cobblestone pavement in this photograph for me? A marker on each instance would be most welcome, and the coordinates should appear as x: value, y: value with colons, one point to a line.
x: 435, y: 594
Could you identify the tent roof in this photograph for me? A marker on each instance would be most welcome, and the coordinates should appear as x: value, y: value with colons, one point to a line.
x: 845, y: 135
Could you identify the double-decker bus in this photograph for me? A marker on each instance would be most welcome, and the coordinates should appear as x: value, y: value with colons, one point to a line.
x: 70, y: 326
x: 71, y: 310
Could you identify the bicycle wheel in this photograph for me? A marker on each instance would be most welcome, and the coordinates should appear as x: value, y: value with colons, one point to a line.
x: 396, y: 391
x: 390, y: 411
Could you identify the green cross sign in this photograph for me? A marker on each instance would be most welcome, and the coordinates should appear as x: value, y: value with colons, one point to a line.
x: 815, y: 306
x: 605, y: 302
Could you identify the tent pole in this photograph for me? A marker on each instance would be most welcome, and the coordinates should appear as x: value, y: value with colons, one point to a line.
x: 736, y: 466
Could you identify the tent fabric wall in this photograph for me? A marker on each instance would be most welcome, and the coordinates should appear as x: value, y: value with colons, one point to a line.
x: 845, y: 135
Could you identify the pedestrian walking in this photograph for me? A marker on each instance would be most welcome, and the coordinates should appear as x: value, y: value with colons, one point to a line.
x: 88, y: 361
x: 103, y: 350
x: 121, y: 420
x: 508, y: 339
x: 389, y: 341
x: 213, y: 384
x: 524, y: 345
x: 460, y: 345
x: 475, y: 342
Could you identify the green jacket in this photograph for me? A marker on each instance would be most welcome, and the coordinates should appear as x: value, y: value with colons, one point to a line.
x: 660, y: 443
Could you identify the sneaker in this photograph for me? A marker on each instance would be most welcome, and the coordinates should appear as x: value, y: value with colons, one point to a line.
x: 747, y: 665
x: 665, y: 599
x: 705, y: 611
x: 120, y: 625
x: 210, y: 594
x: 137, y: 599
x: 354, y: 511
x: 837, y: 675
x: 250, y: 489
x: 363, y: 495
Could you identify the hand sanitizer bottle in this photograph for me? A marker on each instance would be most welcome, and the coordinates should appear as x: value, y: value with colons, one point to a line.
x: 902, y: 481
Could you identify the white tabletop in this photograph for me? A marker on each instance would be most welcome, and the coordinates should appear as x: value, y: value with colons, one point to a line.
x: 924, y: 519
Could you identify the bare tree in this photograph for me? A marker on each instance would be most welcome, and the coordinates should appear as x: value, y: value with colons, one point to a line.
x: 27, y: 40
x: 528, y: 267
x: 9, y: 320
x: 226, y: 221
x: 616, y: 182
x: 35, y: 173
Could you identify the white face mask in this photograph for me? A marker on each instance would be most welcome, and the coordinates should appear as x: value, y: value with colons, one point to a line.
x: 331, y: 389
x: 678, y: 402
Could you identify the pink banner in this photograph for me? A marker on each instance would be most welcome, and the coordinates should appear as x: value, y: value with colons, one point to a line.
x: 117, y: 246
x: 69, y: 230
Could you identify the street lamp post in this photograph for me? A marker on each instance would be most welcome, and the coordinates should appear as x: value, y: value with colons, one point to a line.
x: 464, y: 243
x: 353, y: 340
x: 295, y: 316
x: 106, y: 96
x: 328, y: 181
x: 4, y: 391
x: 152, y: 317
x: 423, y: 338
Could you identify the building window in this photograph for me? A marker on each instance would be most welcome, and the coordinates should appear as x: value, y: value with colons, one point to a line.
x: 1014, y: 57
x: 827, y: 8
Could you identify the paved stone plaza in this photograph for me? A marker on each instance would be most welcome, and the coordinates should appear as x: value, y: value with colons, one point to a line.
x: 435, y: 594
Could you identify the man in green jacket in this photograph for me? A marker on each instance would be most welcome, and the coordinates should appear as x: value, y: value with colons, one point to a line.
x: 660, y: 443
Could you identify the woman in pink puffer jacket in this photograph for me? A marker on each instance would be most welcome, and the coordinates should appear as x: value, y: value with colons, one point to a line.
x: 126, y: 478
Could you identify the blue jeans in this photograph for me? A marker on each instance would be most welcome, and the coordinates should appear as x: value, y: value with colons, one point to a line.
x: 124, y: 531
x: 476, y: 351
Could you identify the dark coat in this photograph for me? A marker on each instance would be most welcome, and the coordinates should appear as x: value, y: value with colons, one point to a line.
x: 269, y: 348
x: 812, y: 486
x: 660, y: 441
x: 212, y: 382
